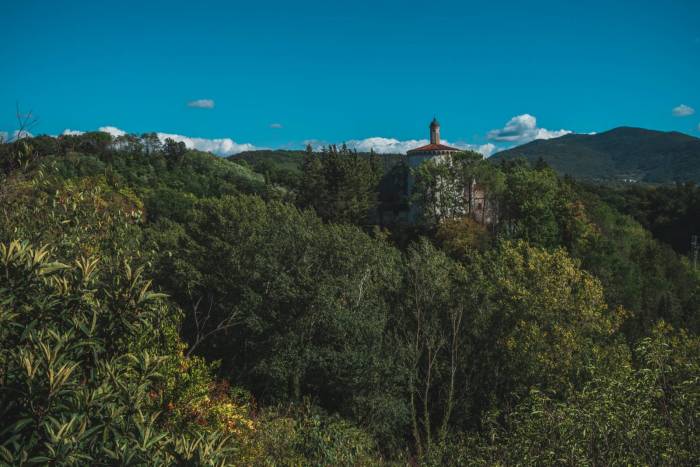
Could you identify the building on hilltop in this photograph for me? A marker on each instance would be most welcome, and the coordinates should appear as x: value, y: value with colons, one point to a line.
x: 435, y: 151
x: 475, y: 199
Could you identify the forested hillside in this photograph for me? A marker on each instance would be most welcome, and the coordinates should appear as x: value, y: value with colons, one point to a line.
x: 620, y: 154
x: 162, y: 306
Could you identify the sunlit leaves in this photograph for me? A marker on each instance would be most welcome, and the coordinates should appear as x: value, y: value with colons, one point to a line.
x: 79, y: 383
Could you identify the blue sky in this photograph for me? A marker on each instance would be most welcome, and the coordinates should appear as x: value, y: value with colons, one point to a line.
x: 281, y: 73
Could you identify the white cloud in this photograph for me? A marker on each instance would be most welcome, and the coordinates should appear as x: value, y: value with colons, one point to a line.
x: 14, y: 136
x: 69, y: 132
x: 487, y: 149
x: 276, y: 125
x: 382, y: 145
x: 17, y: 134
x: 112, y: 130
x: 523, y: 129
x: 683, y: 111
x: 218, y: 146
x: 201, y: 104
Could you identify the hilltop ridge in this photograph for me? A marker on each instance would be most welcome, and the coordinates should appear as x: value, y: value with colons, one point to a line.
x: 620, y: 154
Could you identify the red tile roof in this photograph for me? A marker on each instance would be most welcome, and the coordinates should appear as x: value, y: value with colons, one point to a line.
x: 433, y: 147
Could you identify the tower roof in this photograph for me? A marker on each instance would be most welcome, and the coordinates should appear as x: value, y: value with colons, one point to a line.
x: 433, y: 148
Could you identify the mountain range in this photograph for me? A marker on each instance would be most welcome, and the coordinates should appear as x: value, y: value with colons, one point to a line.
x: 621, y: 154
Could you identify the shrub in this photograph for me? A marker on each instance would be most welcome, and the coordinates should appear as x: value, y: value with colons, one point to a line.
x: 85, y: 360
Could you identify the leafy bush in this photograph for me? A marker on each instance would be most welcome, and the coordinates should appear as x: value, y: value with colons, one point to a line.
x: 84, y: 360
x: 646, y: 413
x: 305, y: 435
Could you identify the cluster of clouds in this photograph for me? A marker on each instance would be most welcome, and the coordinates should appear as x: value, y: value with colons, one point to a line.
x: 218, y: 146
x: 523, y: 129
x: 520, y: 129
x: 112, y: 130
x: 395, y: 146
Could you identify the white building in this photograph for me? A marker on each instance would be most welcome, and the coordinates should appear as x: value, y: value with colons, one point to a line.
x: 475, y: 202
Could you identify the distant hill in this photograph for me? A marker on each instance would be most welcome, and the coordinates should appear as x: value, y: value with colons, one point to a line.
x: 621, y: 154
x: 279, y: 159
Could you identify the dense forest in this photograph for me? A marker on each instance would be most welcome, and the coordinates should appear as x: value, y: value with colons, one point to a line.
x: 162, y: 306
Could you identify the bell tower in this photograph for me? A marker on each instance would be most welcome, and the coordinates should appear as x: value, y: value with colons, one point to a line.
x: 434, y: 131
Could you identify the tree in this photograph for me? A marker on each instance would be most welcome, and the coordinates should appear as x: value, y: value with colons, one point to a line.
x: 129, y: 144
x: 458, y: 236
x: 310, y: 301
x: 339, y: 184
x: 436, y: 314
x: 531, y: 204
x: 174, y: 151
x: 644, y: 413
x: 151, y: 143
x: 545, y: 326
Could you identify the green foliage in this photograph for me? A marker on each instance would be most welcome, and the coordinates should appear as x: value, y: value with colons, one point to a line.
x: 339, y: 184
x: 140, y: 164
x: 293, y: 306
x: 639, y: 273
x: 77, y: 218
x: 82, y: 358
x: 642, y: 414
x: 531, y: 206
x: 438, y: 306
x: 277, y: 166
x: 459, y: 236
x: 546, y: 324
x: 670, y: 213
x: 303, y: 434
x: 501, y: 344
x: 480, y: 335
